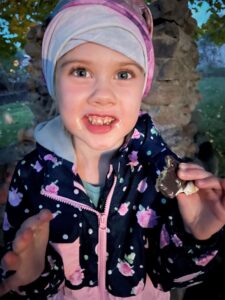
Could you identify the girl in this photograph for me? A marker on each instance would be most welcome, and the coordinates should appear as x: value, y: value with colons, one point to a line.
x: 84, y: 219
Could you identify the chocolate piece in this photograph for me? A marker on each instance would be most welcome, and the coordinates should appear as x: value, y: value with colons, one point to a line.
x: 169, y: 184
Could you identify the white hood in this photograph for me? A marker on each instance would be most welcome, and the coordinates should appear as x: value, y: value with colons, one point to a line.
x: 53, y: 136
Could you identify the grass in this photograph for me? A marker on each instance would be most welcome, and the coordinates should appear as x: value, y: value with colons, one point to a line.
x: 212, y: 111
x: 13, y: 118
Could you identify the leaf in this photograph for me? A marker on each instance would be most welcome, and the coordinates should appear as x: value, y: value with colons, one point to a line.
x: 200, y: 4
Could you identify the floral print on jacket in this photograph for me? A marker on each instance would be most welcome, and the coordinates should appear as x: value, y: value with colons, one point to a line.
x: 144, y: 232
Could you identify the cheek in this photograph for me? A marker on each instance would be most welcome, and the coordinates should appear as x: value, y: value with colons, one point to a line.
x: 67, y: 96
x: 135, y: 93
x: 64, y: 89
x: 133, y: 103
x: 64, y: 85
x: 131, y: 113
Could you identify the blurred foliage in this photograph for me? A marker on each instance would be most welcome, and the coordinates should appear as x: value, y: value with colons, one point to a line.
x: 16, y: 19
x: 214, y: 28
x: 13, y: 118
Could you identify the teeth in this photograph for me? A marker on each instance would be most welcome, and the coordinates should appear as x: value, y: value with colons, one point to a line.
x: 94, y: 120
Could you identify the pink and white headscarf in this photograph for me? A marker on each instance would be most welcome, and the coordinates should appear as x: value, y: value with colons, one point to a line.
x: 108, y: 23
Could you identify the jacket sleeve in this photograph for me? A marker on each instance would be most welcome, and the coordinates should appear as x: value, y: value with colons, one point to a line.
x: 18, y: 209
x: 179, y: 260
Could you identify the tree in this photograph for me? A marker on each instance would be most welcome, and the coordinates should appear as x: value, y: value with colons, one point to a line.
x: 16, y: 19
x: 214, y: 28
x: 209, y: 54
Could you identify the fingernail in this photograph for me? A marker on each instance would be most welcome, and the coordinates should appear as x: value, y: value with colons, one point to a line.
x: 182, y: 166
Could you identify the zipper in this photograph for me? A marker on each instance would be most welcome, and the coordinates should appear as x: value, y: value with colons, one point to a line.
x: 69, y: 201
x: 102, y: 249
x: 102, y: 231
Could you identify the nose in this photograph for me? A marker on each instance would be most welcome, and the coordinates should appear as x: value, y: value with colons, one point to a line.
x: 102, y: 93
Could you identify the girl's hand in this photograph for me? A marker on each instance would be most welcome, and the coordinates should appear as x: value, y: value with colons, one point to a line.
x: 203, y: 212
x: 27, y: 257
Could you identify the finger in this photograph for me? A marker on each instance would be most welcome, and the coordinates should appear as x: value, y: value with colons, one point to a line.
x: 36, y: 221
x: 193, y: 174
x: 45, y: 215
x: 10, y: 261
x: 9, y: 284
x: 31, y: 231
x: 189, y: 166
x: 23, y: 239
x: 211, y: 182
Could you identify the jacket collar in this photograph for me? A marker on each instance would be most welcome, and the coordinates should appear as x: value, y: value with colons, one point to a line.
x: 141, y: 145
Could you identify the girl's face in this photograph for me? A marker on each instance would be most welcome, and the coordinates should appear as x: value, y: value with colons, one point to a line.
x: 99, y: 93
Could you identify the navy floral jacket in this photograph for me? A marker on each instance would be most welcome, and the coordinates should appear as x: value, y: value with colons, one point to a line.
x: 134, y: 232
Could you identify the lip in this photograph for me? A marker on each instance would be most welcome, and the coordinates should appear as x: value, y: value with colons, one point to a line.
x: 99, y: 129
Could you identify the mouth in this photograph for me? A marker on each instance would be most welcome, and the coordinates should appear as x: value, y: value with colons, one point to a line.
x: 100, y: 120
x: 99, y: 124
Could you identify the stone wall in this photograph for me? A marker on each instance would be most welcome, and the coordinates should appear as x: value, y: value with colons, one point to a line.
x: 40, y: 101
x: 173, y: 96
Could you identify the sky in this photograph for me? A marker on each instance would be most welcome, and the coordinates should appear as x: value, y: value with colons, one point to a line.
x: 202, y: 15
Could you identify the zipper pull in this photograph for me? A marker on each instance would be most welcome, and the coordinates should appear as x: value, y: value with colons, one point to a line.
x: 103, y: 221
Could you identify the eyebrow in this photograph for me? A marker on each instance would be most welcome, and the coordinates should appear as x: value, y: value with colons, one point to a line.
x: 134, y: 64
x: 72, y: 61
x: 86, y: 62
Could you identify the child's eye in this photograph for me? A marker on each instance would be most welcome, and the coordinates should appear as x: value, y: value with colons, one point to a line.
x: 81, y: 72
x: 124, y: 75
